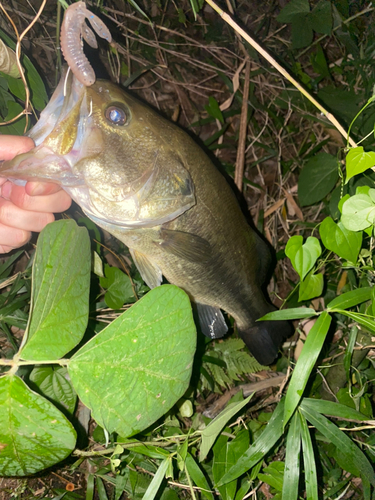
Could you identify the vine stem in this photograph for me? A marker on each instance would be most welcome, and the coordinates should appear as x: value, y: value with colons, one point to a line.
x: 228, y: 19
x: 16, y: 362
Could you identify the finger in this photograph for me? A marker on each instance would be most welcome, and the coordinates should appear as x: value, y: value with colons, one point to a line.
x: 13, y: 216
x: 11, y: 238
x: 57, y: 202
x: 34, y: 188
x: 12, y: 145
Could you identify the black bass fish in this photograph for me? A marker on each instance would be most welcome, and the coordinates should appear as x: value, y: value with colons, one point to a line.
x: 146, y: 182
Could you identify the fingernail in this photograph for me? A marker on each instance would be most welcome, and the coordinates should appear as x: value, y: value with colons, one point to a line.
x: 37, y: 189
x: 6, y: 190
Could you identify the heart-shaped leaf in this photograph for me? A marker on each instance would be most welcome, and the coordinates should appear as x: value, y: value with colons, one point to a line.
x: 358, y: 161
x: 338, y: 239
x: 358, y: 212
x: 303, y: 256
x: 311, y: 286
x: 318, y: 177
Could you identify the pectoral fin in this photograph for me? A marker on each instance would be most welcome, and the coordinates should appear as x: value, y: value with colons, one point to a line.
x: 211, y: 321
x: 151, y: 274
x: 185, y: 245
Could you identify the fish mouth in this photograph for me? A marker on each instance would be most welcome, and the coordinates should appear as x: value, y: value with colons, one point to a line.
x: 74, y: 148
x: 62, y: 136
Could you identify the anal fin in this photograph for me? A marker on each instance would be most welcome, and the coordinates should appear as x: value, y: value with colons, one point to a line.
x: 151, y: 274
x: 211, y: 321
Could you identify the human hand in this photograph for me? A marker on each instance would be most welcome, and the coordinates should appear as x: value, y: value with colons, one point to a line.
x: 28, y: 208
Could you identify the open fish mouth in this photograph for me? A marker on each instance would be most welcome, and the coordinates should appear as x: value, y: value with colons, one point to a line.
x: 60, y: 137
x: 89, y: 141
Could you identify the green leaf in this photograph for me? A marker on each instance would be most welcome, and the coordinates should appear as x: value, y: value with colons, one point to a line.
x: 356, y: 460
x: 214, y: 110
x: 198, y: 477
x: 321, y: 18
x: 292, y: 313
x: 320, y: 66
x: 311, y: 478
x: 34, y: 434
x: 333, y: 409
x: 153, y: 489
x: 259, y: 448
x: 358, y: 161
x: 306, y: 361
x: 302, y: 33
x: 39, y: 96
x: 119, y: 287
x: 138, y: 367
x: 292, y: 460
x: 53, y: 383
x: 362, y: 319
x: 342, y: 201
x: 349, y: 350
x: 226, y: 454
x: 17, y: 127
x: 213, y: 429
x: 60, y: 291
x: 318, y: 177
x: 335, y: 237
x: 303, y: 256
x: 16, y: 86
x: 245, y: 485
x: 358, y: 212
x: 101, y: 491
x: 350, y: 299
x: 274, y: 475
x: 293, y: 8
x: 311, y: 286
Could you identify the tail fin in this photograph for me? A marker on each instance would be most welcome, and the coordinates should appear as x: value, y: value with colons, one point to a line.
x: 264, y: 339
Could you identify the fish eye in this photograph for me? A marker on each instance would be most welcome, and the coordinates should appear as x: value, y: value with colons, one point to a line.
x: 117, y: 115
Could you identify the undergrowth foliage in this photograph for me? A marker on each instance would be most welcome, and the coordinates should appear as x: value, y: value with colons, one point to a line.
x: 75, y: 326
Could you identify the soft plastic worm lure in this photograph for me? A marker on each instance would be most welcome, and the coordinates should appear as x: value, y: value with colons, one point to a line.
x: 73, y: 29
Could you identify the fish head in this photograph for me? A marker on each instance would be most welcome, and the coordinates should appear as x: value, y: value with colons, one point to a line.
x: 114, y: 155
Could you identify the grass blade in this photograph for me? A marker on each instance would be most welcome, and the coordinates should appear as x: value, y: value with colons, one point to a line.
x: 154, y: 486
x: 260, y: 448
x: 356, y: 460
x: 311, y: 479
x: 292, y: 460
x: 305, y: 364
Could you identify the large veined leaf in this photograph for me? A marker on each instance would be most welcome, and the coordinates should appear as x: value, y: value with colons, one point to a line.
x: 136, y: 369
x: 34, y: 434
x: 60, y: 291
